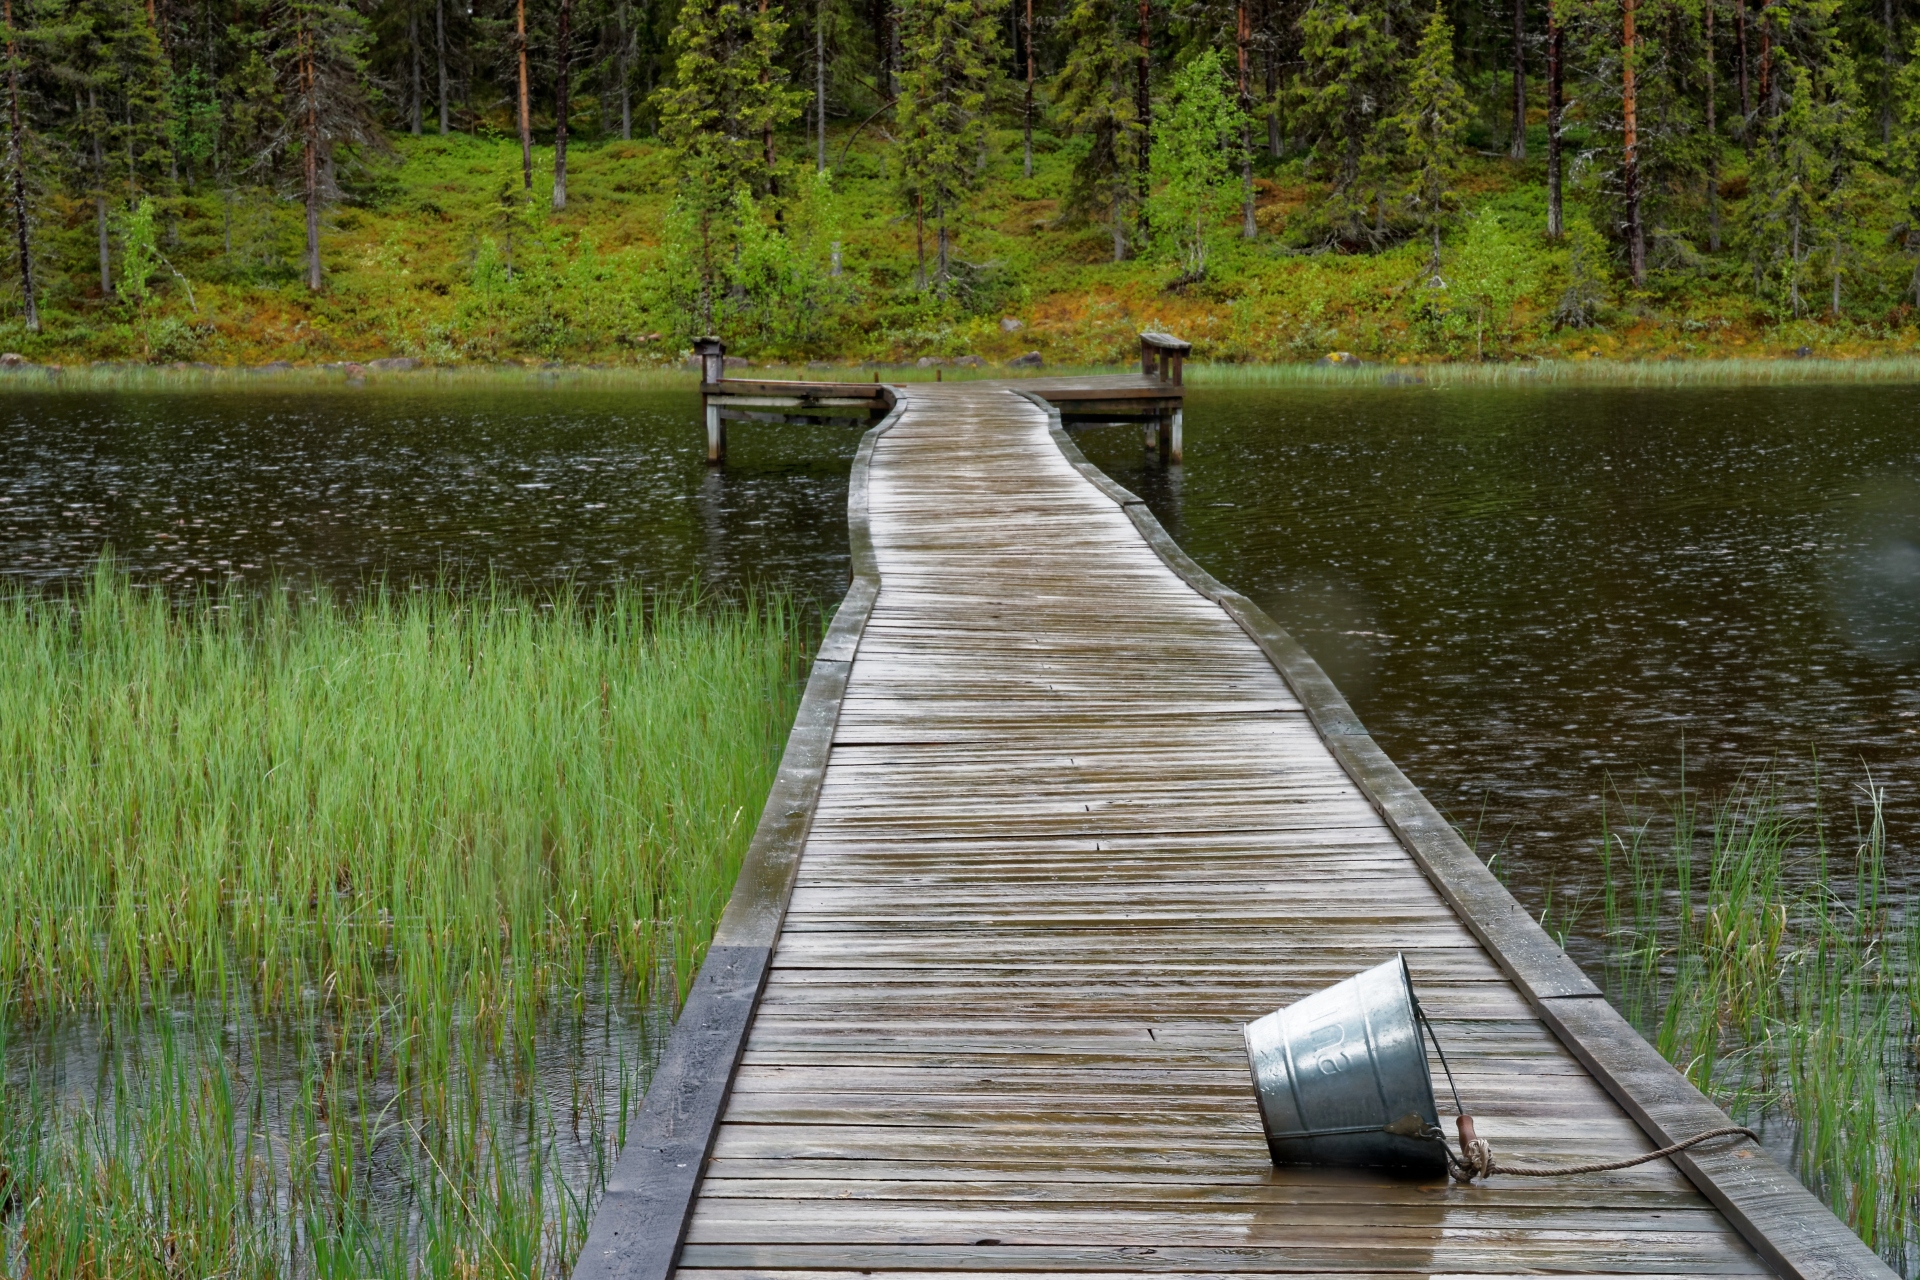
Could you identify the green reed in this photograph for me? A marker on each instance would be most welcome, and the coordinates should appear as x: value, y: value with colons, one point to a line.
x: 292, y: 793
x: 1783, y: 978
x: 1538, y: 373
x: 364, y: 917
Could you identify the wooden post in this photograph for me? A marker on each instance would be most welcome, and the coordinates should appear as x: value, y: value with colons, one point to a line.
x: 1149, y: 358
x: 1163, y: 428
x: 713, y: 370
x: 1175, y: 425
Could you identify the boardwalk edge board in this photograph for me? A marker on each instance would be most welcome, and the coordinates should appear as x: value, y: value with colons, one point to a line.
x: 1784, y: 1222
x: 640, y: 1223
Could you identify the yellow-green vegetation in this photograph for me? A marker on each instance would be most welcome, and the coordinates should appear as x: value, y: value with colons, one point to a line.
x: 437, y: 258
x: 1783, y: 977
x: 340, y: 897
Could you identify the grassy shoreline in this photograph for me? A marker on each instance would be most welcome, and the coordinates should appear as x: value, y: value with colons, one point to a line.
x: 1738, y: 371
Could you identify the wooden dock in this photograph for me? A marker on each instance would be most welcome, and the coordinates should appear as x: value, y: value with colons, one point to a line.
x: 1059, y: 815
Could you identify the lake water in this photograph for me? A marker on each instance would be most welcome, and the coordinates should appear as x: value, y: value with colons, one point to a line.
x: 1526, y: 594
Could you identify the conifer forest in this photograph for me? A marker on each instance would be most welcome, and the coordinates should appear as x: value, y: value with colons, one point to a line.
x: 597, y: 181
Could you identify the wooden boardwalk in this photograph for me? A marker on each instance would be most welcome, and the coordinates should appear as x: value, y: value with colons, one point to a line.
x: 1073, y: 829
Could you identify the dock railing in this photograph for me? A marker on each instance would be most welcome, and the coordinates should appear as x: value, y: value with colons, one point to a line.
x: 724, y: 400
x: 1162, y: 355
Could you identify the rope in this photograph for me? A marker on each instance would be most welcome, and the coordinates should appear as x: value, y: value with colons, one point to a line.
x: 1479, y: 1161
x: 1476, y: 1158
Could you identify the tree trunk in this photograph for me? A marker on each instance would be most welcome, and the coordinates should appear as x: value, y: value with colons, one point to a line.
x: 919, y: 241
x: 1517, y: 148
x: 1119, y: 229
x: 1143, y: 103
x: 625, y: 65
x: 1888, y: 58
x: 1713, y: 144
x: 1767, y: 103
x: 17, y: 178
x: 526, y: 110
x: 100, y: 194
x: 413, y: 71
x: 1834, y: 311
x: 1740, y: 68
x: 563, y: 84
x: 1026, y: 118
x: 1274, y: 148
x: 820, y: 77
x: 766, y: 141
x: 882, y: 46
x: 310, y: 159
x: 1244, y: 36
x: 1630, y: 150
x: 941, y: 237
x: 440, y: 56
x: 1556, y: 225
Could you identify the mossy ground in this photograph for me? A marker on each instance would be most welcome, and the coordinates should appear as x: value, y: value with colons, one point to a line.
x: 417, y: 264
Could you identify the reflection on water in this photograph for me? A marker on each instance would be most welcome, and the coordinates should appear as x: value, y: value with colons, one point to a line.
x: 538, y: 486
x: 357, y: 1138
x: 1527, y: 593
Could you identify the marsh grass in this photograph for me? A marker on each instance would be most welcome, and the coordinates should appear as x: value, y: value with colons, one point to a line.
x: 1548, y: 373
x: 1878, y: 370
x: 1782, y: 976
x: 334, y: 937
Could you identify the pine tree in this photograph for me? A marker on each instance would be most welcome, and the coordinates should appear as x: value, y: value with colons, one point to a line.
x: 320, y: 60
x: 1905, y: 155
x: 728, y: 93
x: 16, y: 175
x: 1800, y: 196
x: 1645, y: 64
x: 1349, y: 58
x: 950, y: 54
x: 1424, y: 134
x: 1197, y: 145
x: 1096, y: 104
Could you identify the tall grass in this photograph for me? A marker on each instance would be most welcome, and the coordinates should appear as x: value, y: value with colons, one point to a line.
x: 351, y: 915
x: 1783, y: 977
x: 1597, y: 372
x: 1882, y: 370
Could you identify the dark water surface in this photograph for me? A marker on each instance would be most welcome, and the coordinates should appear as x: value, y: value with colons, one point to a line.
x: 1528, y: 594
x: 1524, y: 593
x: 542, y: 487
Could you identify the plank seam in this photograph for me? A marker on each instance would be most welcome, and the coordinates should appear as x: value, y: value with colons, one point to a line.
x: 1784, y: 1222
x: 641, y: 1222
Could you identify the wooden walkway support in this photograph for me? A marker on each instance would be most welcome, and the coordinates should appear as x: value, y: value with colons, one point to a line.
x: 1155, y: 399
x: 1061, y: 813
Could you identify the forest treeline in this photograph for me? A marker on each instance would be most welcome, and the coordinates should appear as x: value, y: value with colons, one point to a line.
x: 1767, y: 148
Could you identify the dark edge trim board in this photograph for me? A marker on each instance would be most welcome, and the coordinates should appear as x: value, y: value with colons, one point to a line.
x: 640, y: 1223
x: 1784, y: 1222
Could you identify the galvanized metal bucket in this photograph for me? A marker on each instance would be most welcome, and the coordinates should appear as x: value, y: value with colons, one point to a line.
x: 1342, y: 1076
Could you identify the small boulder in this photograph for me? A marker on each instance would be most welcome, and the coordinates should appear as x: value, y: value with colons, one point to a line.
x: 1339, y: 360
x: 1031, y: 360
x: 13, y: 360
x: 1010, y: 325
x: 1402, y: 378
x: 273, y: 366
x: 932, y: 362
x: 1799, y: 353
x: 739, y: 362
x: 394, y: 364
x: 969, y: 362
